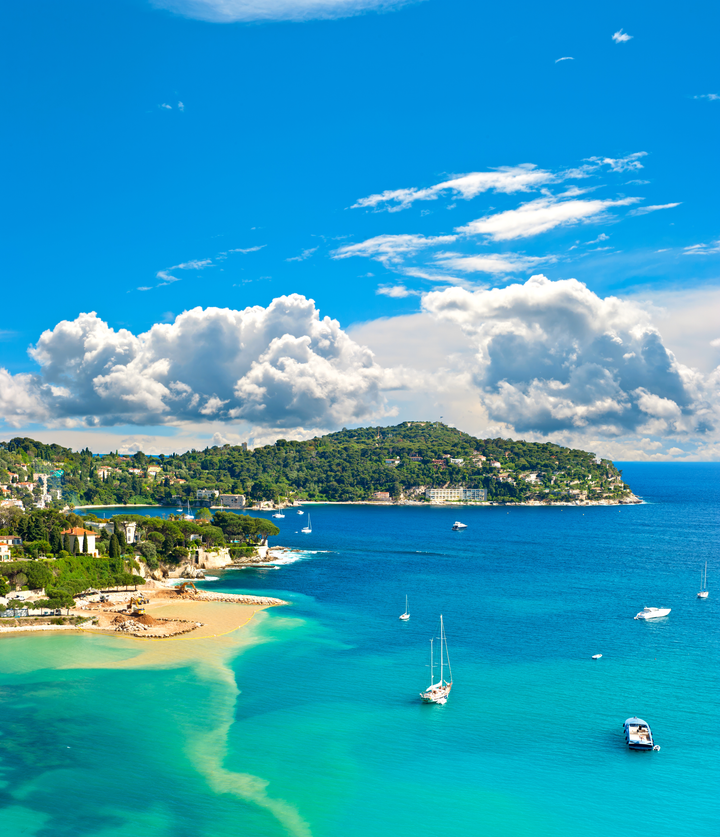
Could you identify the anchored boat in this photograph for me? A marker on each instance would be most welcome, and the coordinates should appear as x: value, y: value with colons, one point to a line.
x: 638, y: 735
x: 653, y: 612
x: 438, y: 692
x: 703, y: 594
x: 405, y: 616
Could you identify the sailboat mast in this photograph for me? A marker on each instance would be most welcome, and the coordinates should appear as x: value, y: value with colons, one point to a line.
x: 441, y: 650
x: 432, y: 665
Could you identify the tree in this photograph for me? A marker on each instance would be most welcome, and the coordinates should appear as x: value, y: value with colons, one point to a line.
x: 203, y: 514
x: 114, y: 548
x: 76, y: 546
x: 85, y: 544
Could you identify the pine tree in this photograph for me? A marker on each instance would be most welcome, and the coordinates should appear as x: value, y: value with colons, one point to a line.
x: 114, y: 547
x: 76, y: 546
x: 85, y: 545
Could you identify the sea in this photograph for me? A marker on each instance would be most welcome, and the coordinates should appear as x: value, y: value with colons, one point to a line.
x: 309, y: 722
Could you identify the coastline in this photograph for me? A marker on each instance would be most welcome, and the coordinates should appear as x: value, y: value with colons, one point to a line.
x: 167, y: 615
x: 632, y: 500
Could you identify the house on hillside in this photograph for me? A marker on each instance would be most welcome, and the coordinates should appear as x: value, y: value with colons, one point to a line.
x: 153, y: 471
x: 207, y: 493
x: 78, y: 533
x: 7, y: 542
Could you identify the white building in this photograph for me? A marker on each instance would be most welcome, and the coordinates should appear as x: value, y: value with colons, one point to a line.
x: 7, y: 542
x: 77, y: 533
x: 456, y: 494
x: 206, y: 494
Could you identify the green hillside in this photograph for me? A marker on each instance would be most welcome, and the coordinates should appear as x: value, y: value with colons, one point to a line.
x: 348, y: 465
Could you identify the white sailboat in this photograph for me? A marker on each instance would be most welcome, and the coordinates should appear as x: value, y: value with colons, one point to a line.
x: 405, y: 616
x: 307, y: 530
x: 438, y: 692
x: 703, y: 594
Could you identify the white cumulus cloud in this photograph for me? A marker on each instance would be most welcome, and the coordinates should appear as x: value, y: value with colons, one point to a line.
x: 554, y: 356
x: 621, y: 37
x: 280, y: 366
x: 231, y: 11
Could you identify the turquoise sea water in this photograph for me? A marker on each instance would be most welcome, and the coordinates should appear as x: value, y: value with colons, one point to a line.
x: 317, y: 729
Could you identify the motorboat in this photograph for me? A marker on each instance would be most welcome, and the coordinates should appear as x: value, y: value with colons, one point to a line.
x: 301, y: 512
x: 406, y: 615
x: 596, y: 656
x: 703, y: 594
x: 638, y: 735
x: 653, y: 612
x: 457, y: 526
x: 438, y: 692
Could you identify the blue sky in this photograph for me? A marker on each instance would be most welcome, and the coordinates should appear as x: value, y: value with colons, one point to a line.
x: 408, y: 167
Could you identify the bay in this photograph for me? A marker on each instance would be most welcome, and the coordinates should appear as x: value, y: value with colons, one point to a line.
x: 317, y: 727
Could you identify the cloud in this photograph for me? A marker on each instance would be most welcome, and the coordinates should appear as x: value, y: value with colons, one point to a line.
x: 601, y: 237
x: 629, y: 163
x: 304, y: 255
x: 247, y: 249
x: 703, y: 249
x: 390, y: 249
x: 181, y: 106
x: 395, y: 291
x: 280, y: 366
x: 644, y: 210
x: 167, y: 279
x: 553, y: 356
x: 507, y: 180
x: 231, y: 11
x: 712, y: 97
x: 492, y: 263
x: 539, y: 216
x: 564, y: 58
x: 621, y: 37
x: 165, y: 106
x: 195, y: 264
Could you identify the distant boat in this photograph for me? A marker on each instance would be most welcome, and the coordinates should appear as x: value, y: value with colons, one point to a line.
x: 638, y: 735
x: 279, y: 515
x: 438, y: 692
x: 301, y: 512
x: 307, y: 530
x: 405, y: 616
x: 653, y: 612
x: 596, y: 656
x: 457, y: 526
x: 703, y: 594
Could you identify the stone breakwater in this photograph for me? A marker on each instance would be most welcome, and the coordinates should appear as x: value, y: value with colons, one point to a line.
x: 235, y: 598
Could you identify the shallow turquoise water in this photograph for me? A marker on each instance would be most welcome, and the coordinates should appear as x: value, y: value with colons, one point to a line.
x: 327, y: 736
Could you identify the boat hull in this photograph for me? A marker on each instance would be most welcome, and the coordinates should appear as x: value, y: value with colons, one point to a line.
x: 439, y: 695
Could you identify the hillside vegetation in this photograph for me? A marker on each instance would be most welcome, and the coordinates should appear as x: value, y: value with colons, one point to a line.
x: 348, y: 465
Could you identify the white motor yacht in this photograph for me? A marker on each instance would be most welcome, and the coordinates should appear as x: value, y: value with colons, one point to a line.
x: 653, y: 612
x: 457, y: 526
x: 638, y: 735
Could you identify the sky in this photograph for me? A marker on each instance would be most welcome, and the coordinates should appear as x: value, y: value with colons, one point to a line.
x: 241, y: 220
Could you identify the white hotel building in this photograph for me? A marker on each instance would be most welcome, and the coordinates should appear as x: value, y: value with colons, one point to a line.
x: 454, y: 494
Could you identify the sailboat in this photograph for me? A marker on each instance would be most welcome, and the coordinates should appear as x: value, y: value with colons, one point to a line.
x: 405, y: 616
x: 188, y: 516
x: 703, y: 594
x: 307, y: 530
x: 438, y: 692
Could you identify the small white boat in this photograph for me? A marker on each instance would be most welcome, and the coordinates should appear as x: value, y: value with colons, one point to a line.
x: 457, y: 526
x: 279, y: 516
x: 703, y: 594
x: 301, y: 512
x: 638, y: 735
x: 596, y: 656
x: 307, y: 530
x: 653, y: 612
x: 405, y: 616
x: 438, y: 692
